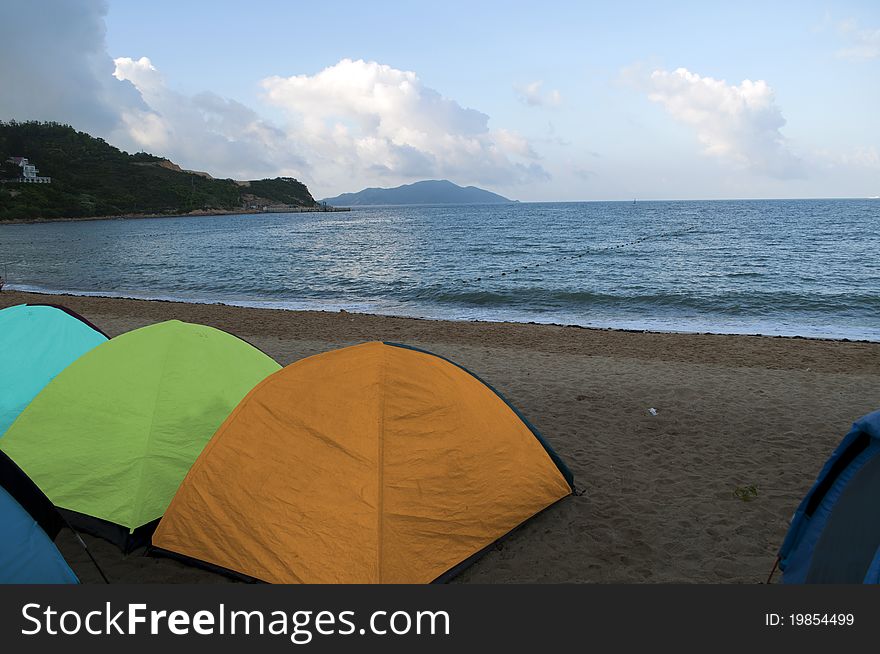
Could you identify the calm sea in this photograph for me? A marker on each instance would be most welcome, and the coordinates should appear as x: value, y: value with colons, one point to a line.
x: 792, y: 267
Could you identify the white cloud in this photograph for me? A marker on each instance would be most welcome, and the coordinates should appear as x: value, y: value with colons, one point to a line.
x: 205, y: 131
x: 377, y: 124
x: 532, y: 95
x: 353, y: 124
x: 54, y: 66
x: 740, y: 124
x: 863, y: 44
x: 514, y: 144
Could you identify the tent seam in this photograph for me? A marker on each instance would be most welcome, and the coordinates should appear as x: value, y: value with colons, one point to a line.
x: 140, y: 483
x: 380, y: 460
x: 235, y: 411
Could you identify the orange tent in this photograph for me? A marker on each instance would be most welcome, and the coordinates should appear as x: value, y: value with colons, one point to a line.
x: 377, y: 463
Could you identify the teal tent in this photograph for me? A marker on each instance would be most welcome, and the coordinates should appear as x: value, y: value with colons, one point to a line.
x: 36, y: 343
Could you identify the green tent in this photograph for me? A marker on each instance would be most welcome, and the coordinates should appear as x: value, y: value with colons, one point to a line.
x: 110, y: 438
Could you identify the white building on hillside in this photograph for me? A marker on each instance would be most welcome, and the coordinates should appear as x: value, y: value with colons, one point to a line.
x: 29, y: 172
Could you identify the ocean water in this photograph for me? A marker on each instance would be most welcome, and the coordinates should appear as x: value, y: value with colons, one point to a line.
x: 786, y: 267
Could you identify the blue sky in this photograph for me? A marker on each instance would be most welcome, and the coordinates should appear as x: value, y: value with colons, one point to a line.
x: 539, y: 101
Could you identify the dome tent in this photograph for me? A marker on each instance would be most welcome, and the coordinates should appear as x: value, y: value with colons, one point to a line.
x: 36, y: 343
x: 112, y: 436
x: 30, y: 524
x: 376, y: 463
x: 834, y: 535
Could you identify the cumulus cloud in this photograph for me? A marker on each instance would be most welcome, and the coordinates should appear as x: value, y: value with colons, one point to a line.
x: 352, y: 124
x: 204, y: 130
x: 738, y: 123
x: 862, y: 44
x: 532, y: 95
x: 363, y: 116
x: 54, y: 66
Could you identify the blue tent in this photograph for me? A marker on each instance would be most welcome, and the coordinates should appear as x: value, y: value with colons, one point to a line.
x: 835, y: 534
x: 36, y: 343
x: 30, y: 523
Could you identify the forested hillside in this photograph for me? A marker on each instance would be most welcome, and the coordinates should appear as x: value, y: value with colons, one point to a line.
x: 90, y: 177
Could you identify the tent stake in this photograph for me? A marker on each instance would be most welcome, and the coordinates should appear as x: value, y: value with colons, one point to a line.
x: 88, y: 551
x: 770, y: 576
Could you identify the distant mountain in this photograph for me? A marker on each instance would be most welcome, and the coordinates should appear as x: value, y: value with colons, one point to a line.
x: 90, y: 177
x: 428, y: 192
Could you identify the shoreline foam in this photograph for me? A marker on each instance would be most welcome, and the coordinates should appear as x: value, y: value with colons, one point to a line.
x: 523, y: 319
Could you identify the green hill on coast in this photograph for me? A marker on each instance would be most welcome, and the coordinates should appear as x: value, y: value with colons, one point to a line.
x: 90, y: 177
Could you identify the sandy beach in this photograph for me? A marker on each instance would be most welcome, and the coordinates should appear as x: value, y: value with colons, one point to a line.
x: 659, y: 502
